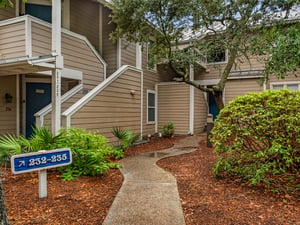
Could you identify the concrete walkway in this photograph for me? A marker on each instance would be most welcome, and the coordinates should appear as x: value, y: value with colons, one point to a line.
x: 149, y: 194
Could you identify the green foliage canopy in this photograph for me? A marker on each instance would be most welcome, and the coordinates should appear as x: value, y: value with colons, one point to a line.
x: 282, y: 45
x: 164, y: 21
x: 256, y: 137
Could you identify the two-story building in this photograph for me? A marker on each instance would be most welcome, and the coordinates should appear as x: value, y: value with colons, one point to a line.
x: 103, y: 84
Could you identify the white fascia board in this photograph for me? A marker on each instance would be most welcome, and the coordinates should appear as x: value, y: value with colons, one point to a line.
x: 66, y: 73
x: 89, y: 96
x: 38, y: 61
x: 244, y: 77
x: 13, y: 20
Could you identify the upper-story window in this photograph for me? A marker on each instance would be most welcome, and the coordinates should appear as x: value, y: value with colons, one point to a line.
x: 43, y: 12
x: 217, y: 55
x: 293, y: 86
x: 150, y: 58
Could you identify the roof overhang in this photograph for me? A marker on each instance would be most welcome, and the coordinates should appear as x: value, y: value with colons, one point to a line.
x: 42, y: 65
x: 24, y: 65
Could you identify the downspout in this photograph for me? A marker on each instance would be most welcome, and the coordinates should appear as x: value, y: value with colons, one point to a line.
x: 192, y: 93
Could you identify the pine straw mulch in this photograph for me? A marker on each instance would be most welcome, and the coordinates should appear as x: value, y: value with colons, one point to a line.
x: 85, y: 200
x: 205, y: 199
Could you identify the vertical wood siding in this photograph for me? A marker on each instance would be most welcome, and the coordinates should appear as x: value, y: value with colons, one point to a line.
x: 8, y: 110
x: 114, y: 106
x: 240, y: 87
x: 77, y: 54
x: 12, y: 40
x: 84, y: 20
x: 109, y: 52
x: 200, y: 111
x: 173, y: 105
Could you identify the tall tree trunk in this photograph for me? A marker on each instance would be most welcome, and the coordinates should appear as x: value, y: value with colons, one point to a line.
x: 219, y: 99
x: 3, y: 212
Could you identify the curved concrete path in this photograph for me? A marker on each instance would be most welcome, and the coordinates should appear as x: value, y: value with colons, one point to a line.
x: 149, y: 194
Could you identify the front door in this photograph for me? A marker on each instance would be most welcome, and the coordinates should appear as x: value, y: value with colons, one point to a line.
x: 38, y: 95
x: 213, y: 108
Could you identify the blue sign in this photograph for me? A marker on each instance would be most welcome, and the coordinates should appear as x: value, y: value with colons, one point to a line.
x: 40, y: 160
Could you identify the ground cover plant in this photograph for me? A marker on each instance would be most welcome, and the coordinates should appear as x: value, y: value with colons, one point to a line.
x: 126, y: 137
x: 168, y: 129
x: 257, y: 139
x: 91, y: 153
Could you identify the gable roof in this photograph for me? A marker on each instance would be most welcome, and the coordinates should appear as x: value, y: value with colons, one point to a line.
x: 189, y: 34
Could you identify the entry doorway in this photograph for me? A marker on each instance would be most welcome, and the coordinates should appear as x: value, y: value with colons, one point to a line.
x: 38, y: 95
x: 212, y: 105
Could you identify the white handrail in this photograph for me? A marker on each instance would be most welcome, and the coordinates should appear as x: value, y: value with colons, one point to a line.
x: 89, y: 96
x: 47, y: 109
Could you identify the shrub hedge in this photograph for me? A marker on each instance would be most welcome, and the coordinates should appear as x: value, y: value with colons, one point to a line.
x: 257, y: 139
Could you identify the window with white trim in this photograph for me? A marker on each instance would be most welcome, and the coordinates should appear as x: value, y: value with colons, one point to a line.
x: 293, y: 86
x: 151, y: 106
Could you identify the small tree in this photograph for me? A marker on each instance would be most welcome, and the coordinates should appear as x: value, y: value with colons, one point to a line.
x: 221, y: 23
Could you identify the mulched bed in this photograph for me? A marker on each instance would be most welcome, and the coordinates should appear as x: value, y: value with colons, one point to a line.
x: 205, y: 199
x: 85, y: 200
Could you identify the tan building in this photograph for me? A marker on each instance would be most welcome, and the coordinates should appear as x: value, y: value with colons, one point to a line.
x: 103, y: 84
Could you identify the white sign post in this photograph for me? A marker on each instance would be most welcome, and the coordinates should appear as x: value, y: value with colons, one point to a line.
x: 41, y: 161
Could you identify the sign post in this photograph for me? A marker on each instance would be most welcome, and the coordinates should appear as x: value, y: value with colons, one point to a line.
x: 41, y: 161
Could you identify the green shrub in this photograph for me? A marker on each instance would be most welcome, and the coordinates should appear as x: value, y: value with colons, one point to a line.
x: 168, y: 129
x: 41, y: 139
x: 257, y: 139
x: 90, y: 152
x: 126, y: 137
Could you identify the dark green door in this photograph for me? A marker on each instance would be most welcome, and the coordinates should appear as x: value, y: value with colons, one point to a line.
x: 213, y: 108
x: 38, y: 95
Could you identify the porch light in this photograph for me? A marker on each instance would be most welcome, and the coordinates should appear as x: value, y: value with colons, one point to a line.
x: 8, y: 98
x: 132, y: 92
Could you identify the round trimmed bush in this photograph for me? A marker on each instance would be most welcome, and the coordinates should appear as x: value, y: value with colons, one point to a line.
x: 257, y: 139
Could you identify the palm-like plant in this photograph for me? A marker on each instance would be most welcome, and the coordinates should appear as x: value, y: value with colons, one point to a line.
x: 41, y: 139
x: 126, y: 137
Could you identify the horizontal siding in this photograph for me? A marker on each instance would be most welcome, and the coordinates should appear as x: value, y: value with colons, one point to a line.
x: 8, y: 110
x: 128, y: 54
x: 173, y: 105
x: 215, y: 70
x: 150, y: 79
x: 84, y: 20
x: 286, y: 79
x: 77, y: 54
x: 109, y: 52
x: 114, y: 106
x: 234, y: 88
x: 12, y: 40
x: 200, y: 111
x: 64, y: 106
x: 7, y: 13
